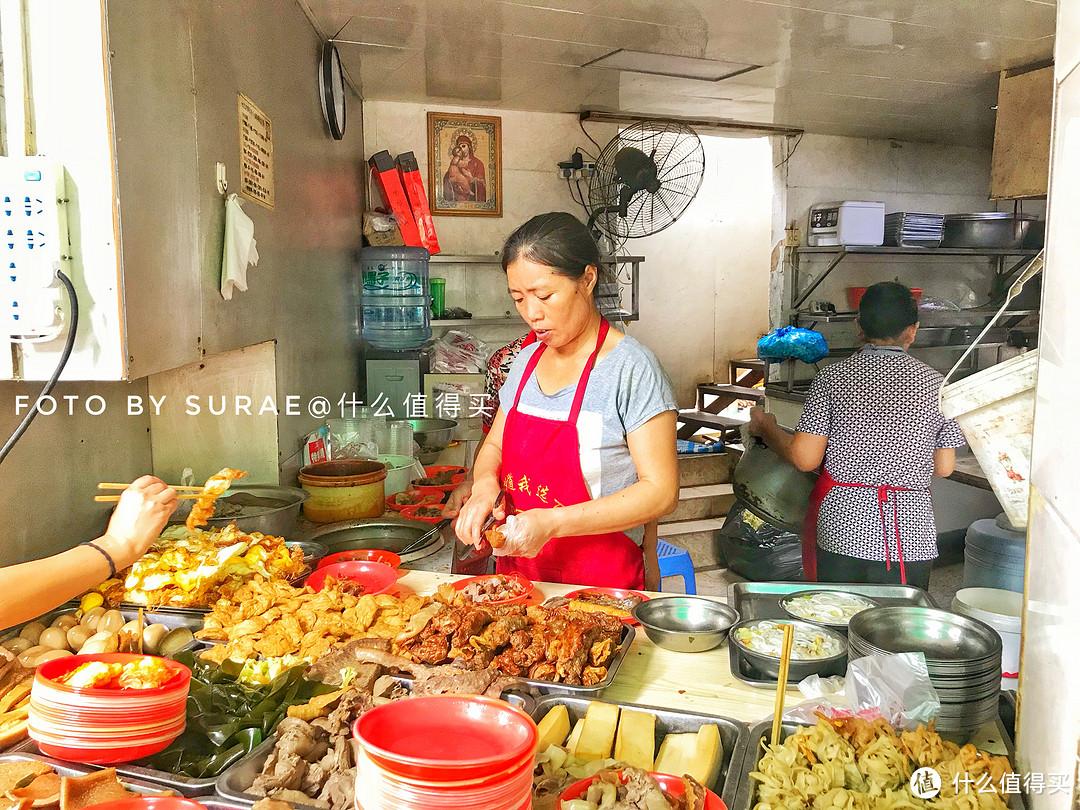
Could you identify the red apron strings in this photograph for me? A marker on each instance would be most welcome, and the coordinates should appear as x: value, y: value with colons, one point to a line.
x: 825, y: 484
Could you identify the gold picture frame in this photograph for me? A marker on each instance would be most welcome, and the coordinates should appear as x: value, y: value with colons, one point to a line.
x: 464, y: 165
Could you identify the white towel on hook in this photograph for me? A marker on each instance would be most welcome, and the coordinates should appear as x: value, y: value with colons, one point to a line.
x: 239, y: 249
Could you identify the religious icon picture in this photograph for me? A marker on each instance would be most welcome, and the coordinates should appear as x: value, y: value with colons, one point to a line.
x: 465, y: 164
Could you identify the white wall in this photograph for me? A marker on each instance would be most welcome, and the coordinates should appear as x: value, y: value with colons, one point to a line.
x: 704, y: 282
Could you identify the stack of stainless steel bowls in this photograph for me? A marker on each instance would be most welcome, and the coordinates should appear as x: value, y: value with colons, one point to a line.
x: 963, y: 658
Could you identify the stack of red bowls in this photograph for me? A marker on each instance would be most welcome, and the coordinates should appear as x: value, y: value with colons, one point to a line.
x: 105, y: 725
x: 445, y: 752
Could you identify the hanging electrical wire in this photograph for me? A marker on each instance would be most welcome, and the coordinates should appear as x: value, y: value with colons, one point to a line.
x: 792, y: 152
x: 590, y: 137
x: 47, y: 389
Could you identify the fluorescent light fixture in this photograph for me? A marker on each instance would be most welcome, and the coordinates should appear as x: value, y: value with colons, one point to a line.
x: 661, y: 64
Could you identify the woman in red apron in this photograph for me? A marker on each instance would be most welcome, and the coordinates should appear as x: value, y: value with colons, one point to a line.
x: 875, y: 422
x: 582, y: 448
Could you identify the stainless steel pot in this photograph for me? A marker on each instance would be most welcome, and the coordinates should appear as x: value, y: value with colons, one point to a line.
x: 432, y: 436
x: 771, y: 488
x: 388, y: 533
x: 255, y: 508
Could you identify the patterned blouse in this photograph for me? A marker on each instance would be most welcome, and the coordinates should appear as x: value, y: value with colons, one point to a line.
x: 498, y: 368
x: 879, y: 409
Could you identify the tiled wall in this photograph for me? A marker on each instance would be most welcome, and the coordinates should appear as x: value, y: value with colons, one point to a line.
x: 1049, y: 735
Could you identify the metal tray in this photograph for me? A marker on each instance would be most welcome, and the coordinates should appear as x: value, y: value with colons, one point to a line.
x: 169, y: 619
x: 63, y: 768
x: 761, y: 600
x: 234, y: 781
x: 734, y: 735
x: 178, y: 783
x: 743, y: 799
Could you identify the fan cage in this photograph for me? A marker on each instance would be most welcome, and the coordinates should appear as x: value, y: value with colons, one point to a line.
x: 680, y: 167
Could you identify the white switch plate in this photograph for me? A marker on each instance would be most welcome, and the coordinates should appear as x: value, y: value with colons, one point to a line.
x: 33, y: 244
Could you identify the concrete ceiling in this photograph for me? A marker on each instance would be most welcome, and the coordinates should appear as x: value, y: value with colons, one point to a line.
x: 921, y: 70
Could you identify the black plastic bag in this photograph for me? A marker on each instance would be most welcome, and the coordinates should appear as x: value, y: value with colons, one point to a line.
x: 758, y: 550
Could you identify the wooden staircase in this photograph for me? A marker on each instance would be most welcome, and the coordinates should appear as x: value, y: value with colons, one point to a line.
x: 706, y: 414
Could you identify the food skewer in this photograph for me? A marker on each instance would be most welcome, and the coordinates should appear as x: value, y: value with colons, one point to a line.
x: 177, y: 487
x: 781, y: 682
x: 183, y: 496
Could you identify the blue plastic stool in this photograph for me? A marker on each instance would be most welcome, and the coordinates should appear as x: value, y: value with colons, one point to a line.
x: 676, y: 562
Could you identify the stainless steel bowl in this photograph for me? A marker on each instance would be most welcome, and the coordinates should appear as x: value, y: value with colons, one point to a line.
x: 431, y: 434
x: 799, y: 668
x: 313, y: 552
x: 391, y: 534
x: 685, y: 623
x: 943, y: 637
x: 254, y: 508
x: 839, y: 625
x: 992, y: 229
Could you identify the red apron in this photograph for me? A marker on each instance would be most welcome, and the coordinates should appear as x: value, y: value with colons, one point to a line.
x: 541, y: 469
x: 825, y: 484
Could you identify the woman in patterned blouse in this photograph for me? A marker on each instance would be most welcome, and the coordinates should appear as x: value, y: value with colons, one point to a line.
x: 874, y: 420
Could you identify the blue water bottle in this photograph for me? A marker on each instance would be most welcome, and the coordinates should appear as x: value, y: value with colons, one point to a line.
x: 396, y: 301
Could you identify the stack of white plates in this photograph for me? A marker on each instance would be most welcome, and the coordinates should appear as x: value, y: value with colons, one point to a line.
x: 963, y: 657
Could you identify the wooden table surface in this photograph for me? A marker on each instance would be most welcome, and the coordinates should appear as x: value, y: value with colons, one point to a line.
x: 654, y: 676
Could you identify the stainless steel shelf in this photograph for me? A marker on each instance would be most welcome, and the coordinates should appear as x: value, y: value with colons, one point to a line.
x: 496, y: 258
x: 917, y: 251
x: 477, y: 321
x: 845, y: 317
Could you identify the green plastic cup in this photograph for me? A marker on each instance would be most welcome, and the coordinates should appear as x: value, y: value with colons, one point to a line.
x: 438, y: 297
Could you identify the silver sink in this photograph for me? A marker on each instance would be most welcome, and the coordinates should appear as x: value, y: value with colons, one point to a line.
x: 388, y: 533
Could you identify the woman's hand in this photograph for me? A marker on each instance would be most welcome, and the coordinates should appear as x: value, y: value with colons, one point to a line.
x: 475, y: 511
x: 761, y: 422
x: 457, y: 498
x: 531, y: 532
x: 138, y: 519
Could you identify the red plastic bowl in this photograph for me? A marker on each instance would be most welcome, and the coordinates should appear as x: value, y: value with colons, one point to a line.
x: 151, y: 803
x: 672, y: 784
x: 410, y: 512
x: 59, y: 667
x: 378, y: 555
x: 614, y: 593
x: 103, y: 756
x: 431, y: 496
x: 375, y: 577
x: 446, y: 737
x: 442, y: 492
x: 514, y: 576
x: 855, y: 294
x: 458, y: 476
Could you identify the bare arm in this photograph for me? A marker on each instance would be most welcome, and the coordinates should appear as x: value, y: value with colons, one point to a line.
x: 803, y: 450
x: 944, y: 462
x: 474, y: 509
x: 30, y: 589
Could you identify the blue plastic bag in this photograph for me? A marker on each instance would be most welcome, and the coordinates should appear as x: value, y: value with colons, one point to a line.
x: 793, y: 342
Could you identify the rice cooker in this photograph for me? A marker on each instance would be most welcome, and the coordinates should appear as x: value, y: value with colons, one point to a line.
x: 851, y: 222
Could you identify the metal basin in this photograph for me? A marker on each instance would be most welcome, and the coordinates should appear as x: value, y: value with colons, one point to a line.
x: 254, y: 508
x: 771, y: 488
x: 432, y: 435
x: 390, y: 534
x: 685, y: 623
x: 992, y: 229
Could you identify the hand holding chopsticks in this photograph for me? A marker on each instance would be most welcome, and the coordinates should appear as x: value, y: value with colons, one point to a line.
x: 187, y: 493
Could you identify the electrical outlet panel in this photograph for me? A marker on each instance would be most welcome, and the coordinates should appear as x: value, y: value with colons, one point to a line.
x: 33, y: 245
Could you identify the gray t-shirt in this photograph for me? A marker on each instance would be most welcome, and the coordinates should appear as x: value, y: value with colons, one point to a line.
x: 627, y: 388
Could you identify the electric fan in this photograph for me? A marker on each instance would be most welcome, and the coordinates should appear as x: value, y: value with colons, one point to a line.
x: 645, y: 178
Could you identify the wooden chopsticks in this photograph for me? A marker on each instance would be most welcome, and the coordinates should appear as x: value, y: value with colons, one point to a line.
x: 781, y: 682
x: 177, y: 487
x: 186, y: 493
